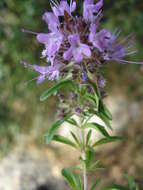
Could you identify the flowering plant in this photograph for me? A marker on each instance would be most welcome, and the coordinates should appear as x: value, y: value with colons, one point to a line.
x: 76, y: 49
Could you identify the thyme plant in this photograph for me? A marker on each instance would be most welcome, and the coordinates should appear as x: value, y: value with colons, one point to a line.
x: 76, y: 48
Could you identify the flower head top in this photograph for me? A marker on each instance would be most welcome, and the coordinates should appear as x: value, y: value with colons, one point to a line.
x: 60, y: 8
x: 90, y: 8
x: 78, y: 44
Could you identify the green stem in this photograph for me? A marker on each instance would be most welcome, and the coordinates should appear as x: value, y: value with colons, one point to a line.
x: 84, y: 172
x: 84, y: 158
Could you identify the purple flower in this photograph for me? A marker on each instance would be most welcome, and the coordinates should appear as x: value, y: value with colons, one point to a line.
x: 50, y: 72
x: 84, y: 77
x: 89, y: 9
x: 59, y: 9
x: 116, y: 50
x: 74, y: 95
x: 52, y: 21
x: 78, y: 40
x: 93, y: 28
x: 101, y: 82
x: 100, y: 39
x: 77, y: 49
x: 116, y: 53
x: 52, y: 43
x: 78, y: 110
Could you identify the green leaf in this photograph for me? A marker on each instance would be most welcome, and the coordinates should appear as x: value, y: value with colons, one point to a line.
x: 89, y: 158
x: 63, y: 140
x: 72, y: 122
x: 73, y: 179
x: 83, y: 90
x: 108, y: 140
x: 104, y: 119
x: 96, y: 182
x: 107, y: 113
x: 76, y: 139
x: 67, y: 173
x: 78, y: 181
x: 55, y: 88
x: 131, y: 181
x: 95, y: 166
x: 78, y: 167
x: 115, y: 187
x: 103, y: 109
x: 88, y: 137
x: 49, y: 136
x: 94, y: 99
x: 98, y: 127
x: 93, y: 85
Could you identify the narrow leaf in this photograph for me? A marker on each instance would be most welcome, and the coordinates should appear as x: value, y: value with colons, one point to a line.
x: 78, y: 167
x: 96, y: 182
x: 94, y: 99
x: 67, y: 173
x: 131, y: 181
x: 55, y: 88
x: 63, y: 140
x: 72, y: 121
x: 95, y: 166
x: 108, y: 140
x: 52, y: 130
x: 107, y: 113
x: 104, y: 110
x: 115, y: 187
x: 98, y: 127
x: 89, y: 158
x: 94, y: 85
x: 76, y: 139
x: 78, y: 181
x: 105, y: 120
x: 88, y: 137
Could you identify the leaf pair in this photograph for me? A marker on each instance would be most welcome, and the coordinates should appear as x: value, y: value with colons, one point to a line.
x: 95, y: 184
x: 74, y: 180
x: 51, y: 135
x: 101, y: 129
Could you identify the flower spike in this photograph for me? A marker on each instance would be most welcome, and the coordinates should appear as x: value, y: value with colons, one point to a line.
x: 77, y: 44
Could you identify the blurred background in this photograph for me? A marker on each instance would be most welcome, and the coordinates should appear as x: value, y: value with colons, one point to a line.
x: 26, y: 163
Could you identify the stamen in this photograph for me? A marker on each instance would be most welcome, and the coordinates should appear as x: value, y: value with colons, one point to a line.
x: 55, y: 3
x: 26, y: 83
x: 98, y: 17
x: 99, y: 14
x: 129, y: 46
x: 28, y: 31
x: 71, y: 6
x: 117, y: 34
x: 132, y: 52
x: 127, y: 39
x: 26, y: 64
x: 131, y: 62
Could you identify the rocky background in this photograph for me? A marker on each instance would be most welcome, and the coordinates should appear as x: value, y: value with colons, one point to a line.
x: 26, y: 163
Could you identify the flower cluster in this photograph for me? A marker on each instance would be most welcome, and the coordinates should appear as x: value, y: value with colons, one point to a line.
x: 77, y: 44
